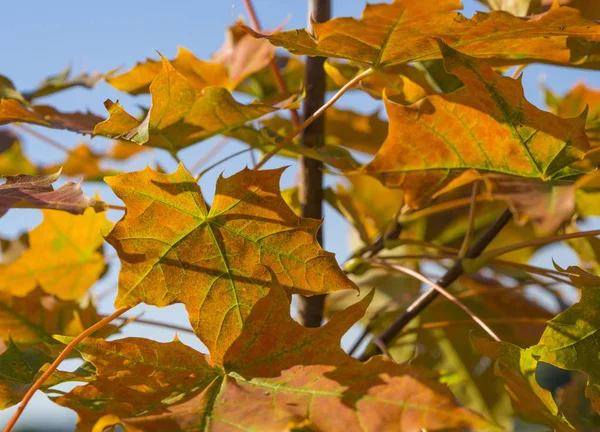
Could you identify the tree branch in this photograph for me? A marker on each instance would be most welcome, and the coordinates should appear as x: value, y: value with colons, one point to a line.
x: 430, y: 295
x: 310, y: 193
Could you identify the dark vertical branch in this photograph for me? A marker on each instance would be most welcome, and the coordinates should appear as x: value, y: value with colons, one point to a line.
x: 310, y: 309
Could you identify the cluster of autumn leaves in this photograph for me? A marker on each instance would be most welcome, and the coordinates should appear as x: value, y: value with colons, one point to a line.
x: 455, y: 120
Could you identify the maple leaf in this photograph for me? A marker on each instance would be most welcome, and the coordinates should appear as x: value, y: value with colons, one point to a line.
x: 12, y: 111
x: 25, y: 191
x: 81, y: 161
x: 180, y: 116
x: 217, y: 262
x: 517, y: 367
x: 34, y: 318
x: 570, y: 340
x: 12, y: 159
x: 404, y: 32
x: 276, y: 375
x: 20, y: 369
x: 487, y: 124
x: 63, y: 258
x: 577, y: 100
x: 199, y: 73
x: 515, y: 7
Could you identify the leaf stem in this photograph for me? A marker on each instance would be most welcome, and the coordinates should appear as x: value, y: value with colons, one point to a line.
x: 535, y: 242
x: 65, y: 352
x: 43, y: 138
x: 313, y: 117
x: 458, y: 323
x: 449, y: 277
x: 133, y: 320
x: 279, y: 81
x: 209, y: 154
x: 216, y: 164
x: 441, y: 291
x: 116, y: 207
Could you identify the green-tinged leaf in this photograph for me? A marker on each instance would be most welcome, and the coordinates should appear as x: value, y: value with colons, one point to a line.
x: 63, y: 258
x: 404, y: 32
x: 517, y: 367
x: 180, y: 115
x: 172, y: 387
x: 572, y: 339
x: 63, y: 81
x: 18, y: 370
x: 486, y: 125
x: 25, y: 191
x: 218, y: 262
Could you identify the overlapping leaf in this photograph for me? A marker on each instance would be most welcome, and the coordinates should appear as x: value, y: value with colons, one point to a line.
x: 571, y: 340
x: 517, y: 367
x: 25, y: 191
x: 180, y: 115
x: 34, y: 318
x: 12, y: 111
x: 63, y: 258
x: 405, y: 31
x: 487, y: 125
x: 19, y: 369
x: 278, y: 375
x: 218, y: 262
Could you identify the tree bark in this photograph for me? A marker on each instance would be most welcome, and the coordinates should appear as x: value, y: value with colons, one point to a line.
x: 310, y: 309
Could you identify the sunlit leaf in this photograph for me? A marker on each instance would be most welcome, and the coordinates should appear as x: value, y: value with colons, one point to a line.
x: 404, y: 32
x: 63, y: 258
x: 172, y: 387
x: 515, y: 7
x: 487, y: 125
x: 218, y: 262
x: 24, y: 191
x: 180, y: 115
x: 517, y: 367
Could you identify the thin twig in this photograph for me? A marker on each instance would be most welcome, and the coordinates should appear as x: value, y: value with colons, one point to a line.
x: 449, y: 277
x: 115, y: 207
x: 439, y: 208
x: 316, y: 115
x: 209, y: 154
x: 535, y: 242
x: 216, y: 164
x: 467, y: 323
x: 43, y: 138
x: 440, y: 290
x: 155, y: 323
x: 466, y: 244
x: 279, y: 81
x: 63, y: 355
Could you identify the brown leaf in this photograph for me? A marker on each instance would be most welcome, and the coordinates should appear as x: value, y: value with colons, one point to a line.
x: 277, y: 374
x: 42, y: 115
x: 25, y: 191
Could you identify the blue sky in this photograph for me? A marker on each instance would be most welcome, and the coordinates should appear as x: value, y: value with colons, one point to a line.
x: 42, y: 38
